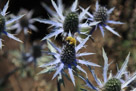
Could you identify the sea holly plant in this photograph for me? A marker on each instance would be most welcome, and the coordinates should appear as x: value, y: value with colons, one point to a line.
x: 102, y: 14
x: 4, y: 23
x: 111, y: 83
x: 26, y: 23
x: 64, y: 22
x: 66, y: 58
x: 23, y: 60
x: 66, y: 61
x: 33, y: 55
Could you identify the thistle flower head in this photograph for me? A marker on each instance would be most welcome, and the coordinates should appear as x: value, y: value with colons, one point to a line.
x: 71, y: 23
x: 112, y: 84
x: 63, y: 22
x: 4, y: 24
x: 66, y: 57
x: 26, y: 23
x: 101, y: 15
x: 34, y: 54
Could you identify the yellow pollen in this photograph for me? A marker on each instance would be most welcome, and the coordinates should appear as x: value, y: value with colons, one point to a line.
x: 71, y: 40
x: 29, y: 31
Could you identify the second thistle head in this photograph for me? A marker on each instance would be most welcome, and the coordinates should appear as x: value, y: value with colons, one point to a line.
x: 101, y: 14
x: 112, y: 84
x: 71, y: 23
x: 68, y: 55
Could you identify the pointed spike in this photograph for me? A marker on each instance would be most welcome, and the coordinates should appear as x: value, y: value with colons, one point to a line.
x: 82, y: 70
x: 83, y: 13
x: 95, y: 76
x: 48, y: 9
x: 12, y: 37
x: 69, y: 34
x: 45, y: 21
x: 110, y: 11
x: 50, y: 63
x: 123, y: 68
x: 47, y: 69
x: 14, y: 19
x: 88, y: 63
x: 97, y: 5
x: 84, y: 54
x: 71, y: 75
x: 54, y: 46
x: 82, y: 44
x: 74, y: 6
x: 94, y: 23
x: 57, y: 10
x: 29, y: 14
x: 58, y: 70
x: 102, y: 30
x: 5, y: 9
x: 111, y: 30
x: 34, y: 28
x: 106, y: 65
x: 60, y: 6
x: 53, y: 34
x: 115, y: 22
x: 0, y: 43
x: 132, y: 78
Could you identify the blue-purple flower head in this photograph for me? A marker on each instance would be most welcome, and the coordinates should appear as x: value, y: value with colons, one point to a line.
x: 26, y: 23
x: 102, y: 14
x: 66, y: 58
x: 34, y: 53
x: 110, y: 82
x: 5, y: 23
x: 64, y: 21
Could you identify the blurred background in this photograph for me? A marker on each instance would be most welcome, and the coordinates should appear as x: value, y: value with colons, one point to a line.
x: 14, y: 78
